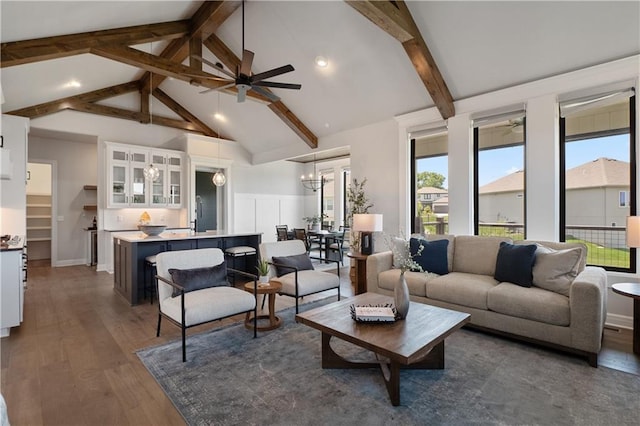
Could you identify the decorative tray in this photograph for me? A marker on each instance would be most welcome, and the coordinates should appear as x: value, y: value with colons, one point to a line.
x: 383, y: 316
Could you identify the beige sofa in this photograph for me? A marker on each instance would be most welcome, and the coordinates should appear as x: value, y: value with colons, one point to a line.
x: 573, y: 322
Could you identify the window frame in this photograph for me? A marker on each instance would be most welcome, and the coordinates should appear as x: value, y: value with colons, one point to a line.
x: 632, y: 177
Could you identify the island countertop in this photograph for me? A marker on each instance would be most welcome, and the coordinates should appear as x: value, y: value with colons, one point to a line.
x: 139, y: 237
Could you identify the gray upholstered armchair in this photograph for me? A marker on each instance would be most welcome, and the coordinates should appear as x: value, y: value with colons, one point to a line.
x: 290, y: 265
x: 193, y: 289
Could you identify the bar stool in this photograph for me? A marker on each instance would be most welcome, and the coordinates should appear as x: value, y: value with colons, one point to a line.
x: 150, y: 268
x: 238, y: 251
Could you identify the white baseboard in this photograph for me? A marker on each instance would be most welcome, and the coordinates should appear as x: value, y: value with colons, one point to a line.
x: 619, y: 321
x: 71, y: 262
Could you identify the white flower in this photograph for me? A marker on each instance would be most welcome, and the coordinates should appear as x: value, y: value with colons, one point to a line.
x: 402, y: 257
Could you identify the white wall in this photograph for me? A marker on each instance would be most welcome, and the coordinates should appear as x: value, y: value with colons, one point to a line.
x: 13, y: 191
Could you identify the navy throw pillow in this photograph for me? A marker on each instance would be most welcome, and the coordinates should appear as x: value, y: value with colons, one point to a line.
x: 515, y: 264
x: 433, y: 257
x: 286, y: 264
x: 199, y: 278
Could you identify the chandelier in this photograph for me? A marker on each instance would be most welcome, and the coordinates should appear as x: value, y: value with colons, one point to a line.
x: 309, y: 182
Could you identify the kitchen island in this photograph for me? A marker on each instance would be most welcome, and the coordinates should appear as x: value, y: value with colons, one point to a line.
x: 130, y: 250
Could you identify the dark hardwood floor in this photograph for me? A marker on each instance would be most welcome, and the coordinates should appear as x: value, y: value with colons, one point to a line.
x: 73, y: 361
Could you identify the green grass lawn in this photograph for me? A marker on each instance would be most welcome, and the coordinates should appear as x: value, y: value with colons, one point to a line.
x: 603, y: 256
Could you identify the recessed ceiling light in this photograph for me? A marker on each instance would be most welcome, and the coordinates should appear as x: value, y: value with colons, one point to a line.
x: 73, y: 84
x: 219, y: 117
x: 322, y: 62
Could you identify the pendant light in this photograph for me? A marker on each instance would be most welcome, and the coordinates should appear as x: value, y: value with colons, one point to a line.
x: 219, y: 179
x: 151, y: 172
x: 309, y: 182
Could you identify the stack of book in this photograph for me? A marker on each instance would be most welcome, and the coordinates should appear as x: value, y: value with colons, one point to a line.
x: 374, y: 313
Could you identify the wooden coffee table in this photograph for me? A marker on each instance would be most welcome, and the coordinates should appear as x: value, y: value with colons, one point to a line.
x: 416, y: 342
x: 271, y: 289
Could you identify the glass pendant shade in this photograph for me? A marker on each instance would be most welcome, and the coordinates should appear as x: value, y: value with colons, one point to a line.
x: 219, y: 178
x: 151, y: 173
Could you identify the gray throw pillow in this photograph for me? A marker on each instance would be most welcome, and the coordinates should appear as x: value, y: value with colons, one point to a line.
x: 555, y: 270
x: 288, y: 264
x: 199, y: 278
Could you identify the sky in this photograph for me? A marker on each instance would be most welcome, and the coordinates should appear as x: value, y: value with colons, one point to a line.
x: 497, y: 163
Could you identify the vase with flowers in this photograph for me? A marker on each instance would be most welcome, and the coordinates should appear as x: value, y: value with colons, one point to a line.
x: 404, y: 260
x: 313, y: 222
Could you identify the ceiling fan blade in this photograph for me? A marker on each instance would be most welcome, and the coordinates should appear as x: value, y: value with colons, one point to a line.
x: 278, y: 85
x: 247, y: 61
x: 226, y: 86
x: 218, y: 66
x: 271, y: 96
x: 272, y: 73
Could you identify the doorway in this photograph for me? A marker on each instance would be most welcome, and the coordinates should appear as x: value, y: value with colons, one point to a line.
x: 40, y: 211
x: 206, y: 207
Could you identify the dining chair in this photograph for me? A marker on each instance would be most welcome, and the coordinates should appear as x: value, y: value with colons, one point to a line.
x: 282, y: 232
x: 336, y: 244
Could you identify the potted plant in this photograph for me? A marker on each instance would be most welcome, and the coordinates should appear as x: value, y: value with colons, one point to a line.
x: 313, y: 222
x: 358, y: 204
x: 263, y: 271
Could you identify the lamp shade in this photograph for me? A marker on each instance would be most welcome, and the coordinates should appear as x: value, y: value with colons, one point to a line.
x: 367, y: 222
x: 633, y: 231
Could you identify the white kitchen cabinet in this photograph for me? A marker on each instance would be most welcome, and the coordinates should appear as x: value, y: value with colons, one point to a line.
x: 127, y: 186
x: 11, y: 290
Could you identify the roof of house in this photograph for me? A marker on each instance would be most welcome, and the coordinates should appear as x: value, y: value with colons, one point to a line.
x: 597, y: 173
x: 432, y: 190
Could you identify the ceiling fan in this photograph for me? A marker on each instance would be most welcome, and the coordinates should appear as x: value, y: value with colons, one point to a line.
x: 244, y: 81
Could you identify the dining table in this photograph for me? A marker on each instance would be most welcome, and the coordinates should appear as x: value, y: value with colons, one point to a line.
x: 324, y: 240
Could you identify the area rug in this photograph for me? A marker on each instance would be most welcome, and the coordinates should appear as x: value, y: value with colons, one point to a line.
x: 276, y: 379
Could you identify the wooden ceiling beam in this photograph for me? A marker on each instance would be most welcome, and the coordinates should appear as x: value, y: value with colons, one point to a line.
x: 395, y: 18
x: 65, y: 103
x: 184, y: 113
x: 158, y: 65
x: 41, y: 49
x: 115, y: 112
x: 231, y: 61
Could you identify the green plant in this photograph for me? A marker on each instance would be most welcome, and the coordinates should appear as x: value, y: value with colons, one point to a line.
x: 357, y: 200
x: 263, y: 268
x: 313, y: 220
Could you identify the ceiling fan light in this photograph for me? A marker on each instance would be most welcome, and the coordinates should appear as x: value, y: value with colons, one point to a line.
x: 321, y: 61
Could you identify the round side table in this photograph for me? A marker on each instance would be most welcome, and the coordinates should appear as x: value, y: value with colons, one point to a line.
x: 632, y: 290
x: 270, y: 289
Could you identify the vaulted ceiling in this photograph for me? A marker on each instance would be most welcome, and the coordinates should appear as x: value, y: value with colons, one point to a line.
x: 385, y: 58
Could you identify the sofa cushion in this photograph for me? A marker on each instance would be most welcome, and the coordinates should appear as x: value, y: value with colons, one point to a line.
x: 309, y: 282
x: 531, y: 303
x: 515, y: 263
x: 476, y: 255
x: 199, y: 278
x: 208, y: 304
x: 450, y: 247
x: 284, y: 264
x: 433, y: 257
x: 555, y: 270
x: 400, y: 250
x: 462, y: 289
x: 562, y: 246
x: 416, y: 281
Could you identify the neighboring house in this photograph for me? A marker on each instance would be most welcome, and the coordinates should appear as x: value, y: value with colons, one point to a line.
x: 441, y: 205
x: 597, y: 196
x: 429, y: 194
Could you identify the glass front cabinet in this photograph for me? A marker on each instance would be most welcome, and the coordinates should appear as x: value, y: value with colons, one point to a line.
x: 127, y: 185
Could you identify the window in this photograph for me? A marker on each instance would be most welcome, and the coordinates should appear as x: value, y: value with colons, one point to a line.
x: 430, y: 168
x: 598, y: 176
x: 624, y: 199
x: 499, y: 150
x: 346, y: 183
x: 326, y: 199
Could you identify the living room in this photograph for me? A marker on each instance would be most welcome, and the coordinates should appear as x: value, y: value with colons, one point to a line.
x: 376, y: 129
